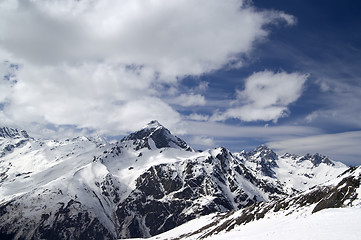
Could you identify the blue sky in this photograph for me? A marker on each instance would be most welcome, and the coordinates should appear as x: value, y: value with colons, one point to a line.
x: 216, y: 73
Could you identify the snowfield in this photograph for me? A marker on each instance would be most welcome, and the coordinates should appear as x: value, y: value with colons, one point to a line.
x: 336, y: 223
x: 328, y: 224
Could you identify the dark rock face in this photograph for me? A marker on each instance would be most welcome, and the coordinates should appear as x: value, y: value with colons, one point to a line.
x: 166, y: 197
x: 341, y: 195
x: 70, y: 221
x: 265, y: 158
x: 265, y: 153
x: 72, y: 226
x: 12, y: 138
x: 336, y: 197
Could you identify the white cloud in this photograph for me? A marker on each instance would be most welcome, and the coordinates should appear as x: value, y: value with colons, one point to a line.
x: 202, y: 141
x: 266, y: 96
x: 340, y: 102
x: 238, y: 137
x: 100, y: 64
x: 174, y: 37
x: 187, y: 100
x: 202, y: 87
x: 97, y: 96
x: 343, y: 147
x: 198, y: 117
x: 214, y: 129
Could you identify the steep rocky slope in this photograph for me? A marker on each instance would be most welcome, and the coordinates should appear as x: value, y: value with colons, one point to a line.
x: 341, y: 192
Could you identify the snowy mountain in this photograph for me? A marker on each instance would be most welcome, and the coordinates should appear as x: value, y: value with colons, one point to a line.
x: 143, y: 185
x: 296, y: 173
x: 169, y: 194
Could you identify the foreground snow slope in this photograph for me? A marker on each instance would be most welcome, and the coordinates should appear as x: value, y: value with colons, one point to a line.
x: 328, y: 224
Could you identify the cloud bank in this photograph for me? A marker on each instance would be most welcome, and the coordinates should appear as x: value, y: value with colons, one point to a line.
x: 102, y: 64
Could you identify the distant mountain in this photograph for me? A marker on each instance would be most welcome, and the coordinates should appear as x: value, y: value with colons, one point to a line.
x: 295, y: 173
x: 148, y: 183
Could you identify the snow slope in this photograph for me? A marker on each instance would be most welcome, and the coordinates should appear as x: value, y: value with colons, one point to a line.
x: 328, y: 224
x: 324, y: 225
x: 34, y: 163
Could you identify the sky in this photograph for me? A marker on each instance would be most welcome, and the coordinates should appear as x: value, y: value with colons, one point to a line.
x: 285, y: 73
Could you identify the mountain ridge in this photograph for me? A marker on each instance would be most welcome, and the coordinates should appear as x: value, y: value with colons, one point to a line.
x: 147, y: 183
x: 7, y: 132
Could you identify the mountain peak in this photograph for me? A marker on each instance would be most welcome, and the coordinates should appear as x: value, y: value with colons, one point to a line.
x: 153, y: 124
x: 265, y: 159
x: 154, y: 136
x: 264, y: 152
x: 6, y: 132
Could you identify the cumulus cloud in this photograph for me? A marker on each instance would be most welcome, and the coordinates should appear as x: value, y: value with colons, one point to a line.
x: 266, y: 96
x: 96, y: 64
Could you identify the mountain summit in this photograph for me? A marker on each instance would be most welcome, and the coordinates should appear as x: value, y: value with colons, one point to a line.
x: 154, y: 136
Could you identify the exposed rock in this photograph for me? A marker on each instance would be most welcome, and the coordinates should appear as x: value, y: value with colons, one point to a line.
x: 6, y: 132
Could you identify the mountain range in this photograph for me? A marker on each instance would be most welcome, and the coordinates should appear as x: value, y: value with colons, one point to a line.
x: 151, y: 182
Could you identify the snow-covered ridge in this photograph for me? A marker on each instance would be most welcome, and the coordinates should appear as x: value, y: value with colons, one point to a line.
x: 6, y: 132
x: 294, y: 172
x: 147, y: 183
